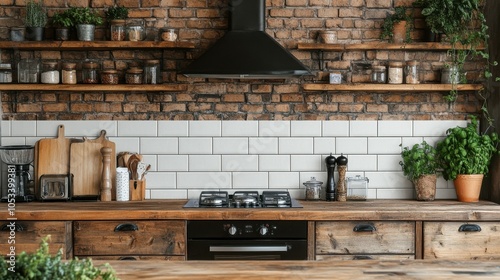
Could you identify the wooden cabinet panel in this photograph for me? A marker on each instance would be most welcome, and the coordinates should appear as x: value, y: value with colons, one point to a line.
x: 365, y: 257
x: 29, y: 234
x: 374, y: 237
x: 137, y: 258
x: 129, y: 238
x: 462, y: 241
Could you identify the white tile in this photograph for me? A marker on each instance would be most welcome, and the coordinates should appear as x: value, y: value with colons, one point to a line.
x: 76, y: 128
x: 274, y: 128
x: 240, y: 128
x: 204, y: 180
x: 351, y: 145
x: 152, y: 160
x: 296, y: 146
x: 446, y: 194
x: 395, y: 194
x: 284, y: 180
x: 433, y: 140
x: 395, y: 128
x: 305, y: 128
x: 388, y: 180
x: 240, y: 163
x: 161, y: 180
x: 137, y: 128
x: 362, y: 163
x: 324, y: 145
x: 232, y: 145
x: 410, y: 141
x: 168, y: 194
x: 159, y: 145
x: 204, y: 128
x: 389, y: 163
x: 8, y: 141
x: 274, y: 163
x: 363, y: 128
x: 250, y: 180
x: 434, y: 128
x: 31, y: 140
x: 306, y: 163
x: 5, y: 128
x: 335, y: 128
x: 173, y: 128
x: 204, y: 163
x: 173, y: 163
x: 263, y: 145
x: 384, y: 145
x: 126, y: 144
x: 195, y: 145
x: 23, y: 128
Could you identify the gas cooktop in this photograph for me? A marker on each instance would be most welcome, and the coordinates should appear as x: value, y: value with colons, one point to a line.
x: 243, y: 199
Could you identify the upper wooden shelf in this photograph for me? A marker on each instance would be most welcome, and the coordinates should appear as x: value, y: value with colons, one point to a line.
x: 92, y: 87
x: 94, y: 45
x: 391, y: 87
x: 424, y: 46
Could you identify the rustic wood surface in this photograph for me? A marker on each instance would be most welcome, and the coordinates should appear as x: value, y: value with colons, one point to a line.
x: 391, y: 87
x: 377, y: 45
x: 290, y: 270
x: 93, y: 87
x: 387, y: 210
x: 96, y: 45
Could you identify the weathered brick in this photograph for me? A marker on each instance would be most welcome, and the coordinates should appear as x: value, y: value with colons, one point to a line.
x: 57, y: 107
x: 380, y: 108
x: 172, y: 107
x: 234, y: 98
x: 292, y: 97
x: 81, y: 107
x: 226, y: 107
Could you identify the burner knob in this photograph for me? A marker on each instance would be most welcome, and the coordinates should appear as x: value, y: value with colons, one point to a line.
x: 263, y: 230
x: 232, y: 230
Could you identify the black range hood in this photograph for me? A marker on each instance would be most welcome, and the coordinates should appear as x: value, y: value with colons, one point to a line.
x: 246, y: 51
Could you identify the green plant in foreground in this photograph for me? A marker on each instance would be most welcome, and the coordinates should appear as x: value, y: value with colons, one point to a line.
x: 419, y: 160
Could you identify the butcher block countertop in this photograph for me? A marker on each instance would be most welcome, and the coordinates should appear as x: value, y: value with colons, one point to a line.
x: 289, y: 270
x: 410, y: 210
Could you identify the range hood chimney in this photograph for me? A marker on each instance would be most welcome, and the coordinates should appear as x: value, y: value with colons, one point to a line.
x: 246, y: 51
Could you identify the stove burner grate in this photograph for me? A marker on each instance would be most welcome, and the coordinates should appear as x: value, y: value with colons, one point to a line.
x: 214, y: 199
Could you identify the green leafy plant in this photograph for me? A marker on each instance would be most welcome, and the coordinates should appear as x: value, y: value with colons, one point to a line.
x: 400, y: 14
x: 85, y: 15
x: 419, y: 160
x: 41, y: 265
x: 36, y: 15
x: 63, y: 19
x: 465, y: 151
x: 116, y: 13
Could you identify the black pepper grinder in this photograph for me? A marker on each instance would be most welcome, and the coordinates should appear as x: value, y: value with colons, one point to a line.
x: 341, y: 187
x: 330, y: 182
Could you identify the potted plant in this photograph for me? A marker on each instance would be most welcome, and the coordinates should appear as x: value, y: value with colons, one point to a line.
x: 397, y: 27
x: 465, y: 154
x: 420, y: 166
x: 85, y: 20
x: 116, y: 17
x: 35, y: 20
x: 62, y: 21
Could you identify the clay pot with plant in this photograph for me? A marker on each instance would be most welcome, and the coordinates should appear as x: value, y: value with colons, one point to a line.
x: 397, y: 27
x: 35, y: 20
x: 465, y: 154
x: 420, y: 166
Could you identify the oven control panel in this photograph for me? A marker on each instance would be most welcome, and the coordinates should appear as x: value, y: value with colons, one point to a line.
x: 246, y: 229
x: 251, y: 229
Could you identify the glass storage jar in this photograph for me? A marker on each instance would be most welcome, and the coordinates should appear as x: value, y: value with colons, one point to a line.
x: 135, y: 30
x: 395, y: 72
x: 117, y: 30
x: 90, y: 72
x: 378, y: 74
x: 133, y: 76
x: 152, y: 73
x: 68, y: 73
x: 313, y: 189
x: 5, y: 73
x: 109, y: 77
x: 50, y: 73
x: 169, y: 35
x: 357, y: 188
x: 411, y: 72
x: 28, y: 71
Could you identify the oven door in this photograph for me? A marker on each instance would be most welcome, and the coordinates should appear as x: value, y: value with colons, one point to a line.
x: 247, y: 249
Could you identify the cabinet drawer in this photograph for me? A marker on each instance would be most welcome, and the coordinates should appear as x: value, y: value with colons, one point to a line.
x: 374, y: 237
x: 29, y: 234
x: 129, y: 238
x: 365, y: 257
x: 462, y: 241
x: 136, y: 258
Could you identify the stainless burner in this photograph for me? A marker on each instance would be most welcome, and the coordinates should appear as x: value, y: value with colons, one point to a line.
x: 243, y: 199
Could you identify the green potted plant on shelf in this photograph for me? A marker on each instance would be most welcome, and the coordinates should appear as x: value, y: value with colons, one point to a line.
x: 420, y: 166
x: 397, y: 27
x: 85, y: 20
x: 116, y: 16
x: 35, y: 20
x: 63, y: 22
x: 465, y: 155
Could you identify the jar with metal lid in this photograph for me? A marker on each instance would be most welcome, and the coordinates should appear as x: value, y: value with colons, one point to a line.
x: 395, y: 72
x: 152, y: 73
x: 117, y: 29
x: 68, y: 73
x: 90, y: 72
x: 411, y: 72
x: 357, y: 187
x: 313, y: 189
x: 378, y: 74
x: 135, y: 30
x: 109, y: 77
x: 28, y: 71
x: 133, y: 76
x: 50, y: 73
x: 5, y: 73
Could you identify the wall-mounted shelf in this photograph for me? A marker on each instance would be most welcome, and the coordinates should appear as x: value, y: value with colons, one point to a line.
x: 391, y: 87
x: 93, y: 45
x: 92, y: 87
x: 424, y: 46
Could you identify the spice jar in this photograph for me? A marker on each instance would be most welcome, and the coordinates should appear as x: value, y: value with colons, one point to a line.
x: 169, y: 35
x: 152, y: 74
x: 313, y: 189
x: 133, y: 76
x: 411, y: 72
x: 117, y: 27
x: 109, y: 77
x: 90, y: 73
x: 68, y: 73
x: 28, y: 71
x: 357, y: 188
x: 5, y: 73
x: 50, y: 74
x: 395, y: 72
x: 378, y: 74
x: 135, y: 30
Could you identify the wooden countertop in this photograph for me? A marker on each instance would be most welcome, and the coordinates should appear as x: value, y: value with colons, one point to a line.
x: 411, y: 210
x: 341, y: 270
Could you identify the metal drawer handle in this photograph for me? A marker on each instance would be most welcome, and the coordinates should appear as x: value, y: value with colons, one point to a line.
x: 127, y: 259
x: 364, y: 228
x: 362, y: 258
x: 126, y: 227
x: 469, y: 228
x: 9, y: 227
x: 248, y: 248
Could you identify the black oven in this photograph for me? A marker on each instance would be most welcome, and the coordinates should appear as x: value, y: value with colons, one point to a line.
x: 247, y: 240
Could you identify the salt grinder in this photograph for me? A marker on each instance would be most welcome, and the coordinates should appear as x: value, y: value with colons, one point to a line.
x: 330, y: 182
x: 341, y: 186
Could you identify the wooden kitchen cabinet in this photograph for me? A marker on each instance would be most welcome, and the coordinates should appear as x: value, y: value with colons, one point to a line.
x: 462, y: 240
x: 364, y: 240
x: 29, y: 234
x: 126, y: 239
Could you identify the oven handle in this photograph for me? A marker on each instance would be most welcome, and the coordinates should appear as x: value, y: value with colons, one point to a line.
x: 248, y: 248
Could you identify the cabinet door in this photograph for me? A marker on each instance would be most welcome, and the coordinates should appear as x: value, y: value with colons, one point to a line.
x: 129, y: 238
x: 462, y: 240
x: 27, y: 236
x: 374, y: 237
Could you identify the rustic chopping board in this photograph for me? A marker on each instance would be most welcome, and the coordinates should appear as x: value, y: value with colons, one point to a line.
x: 86, y: 167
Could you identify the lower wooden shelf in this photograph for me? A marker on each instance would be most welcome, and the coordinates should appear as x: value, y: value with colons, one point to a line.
x: 91, y: 87
x: 391, y: 87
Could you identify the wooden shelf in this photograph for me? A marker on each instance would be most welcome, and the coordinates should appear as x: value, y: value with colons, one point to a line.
x: 92, y: 87
x: 94, y: 45
x: 390, y: 87
x: 424, y: 46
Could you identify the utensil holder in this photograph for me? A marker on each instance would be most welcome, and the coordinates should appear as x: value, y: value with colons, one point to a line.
x: 137, y: 189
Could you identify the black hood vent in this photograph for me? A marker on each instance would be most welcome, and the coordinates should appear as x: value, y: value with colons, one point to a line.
x: 246, y: 50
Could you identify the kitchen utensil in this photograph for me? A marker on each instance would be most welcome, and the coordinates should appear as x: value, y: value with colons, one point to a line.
x: 141, y: 169
x: 132, y: 165
x: 330, y: 182
x: 122, y: 184
x: 106, y: 174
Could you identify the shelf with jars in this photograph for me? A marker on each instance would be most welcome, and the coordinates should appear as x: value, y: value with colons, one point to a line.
x: 94, y: 45
x: 93, y: 87
x: 391, y: 87
x: 376, y: 45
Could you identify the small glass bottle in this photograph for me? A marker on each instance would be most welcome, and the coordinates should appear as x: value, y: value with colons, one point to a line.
x: 5, y: 73
x: 152, y: 73
x: 117, y: 27
x: 50, y: 74
x: 68, y: 73
x: 169, y: 35
x: 378, y: 74
x: 28, y: 71
x: 135, y: 30
x: 90, y: 73
x: 109, y: 77
x: 395, y: 72
x: 133, y: 76
x: 411, y: 72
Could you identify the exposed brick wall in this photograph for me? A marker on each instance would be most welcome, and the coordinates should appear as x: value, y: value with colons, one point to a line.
x: 203, y: 22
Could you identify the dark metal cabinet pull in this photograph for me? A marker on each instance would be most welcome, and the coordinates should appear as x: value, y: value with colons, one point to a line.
x: 364, y: 228
x: 362, y: 258
x: 126, y: 227
x: 18, y: 227
x: 127, y: 259
x: 469, y: 228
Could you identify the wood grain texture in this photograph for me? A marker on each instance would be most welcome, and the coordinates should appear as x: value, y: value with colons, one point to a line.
x: 368, y: 87
x: 95, y: 45
x: 377, y: 45
x: 358, y: 257
x: 94, y: 87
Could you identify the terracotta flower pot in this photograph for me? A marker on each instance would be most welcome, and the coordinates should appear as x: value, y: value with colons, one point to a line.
x: 468, y: 187
x: 425, y: 187
x: 399, y: 32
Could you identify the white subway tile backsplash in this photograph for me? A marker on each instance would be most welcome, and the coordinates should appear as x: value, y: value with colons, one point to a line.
x: 126, y: 144
x: 274, y: 128
x: 204, y: 163
x: 250, y: 180
x: 239, y: 128
x: 7, y: 141
x: 5, y: 127
x: 362, y: 163
x: 161, y: 180
x: 363, y: 128
x: 395, y: 193
x: 274, y: 163
x: 231, y: 145
x: 263, y: 145
x: 137, y: 128
x: 152, y: 160
x: 446, y: 194
x: 24, y: 128
x: 384, y: 145
x: 336, y: 128
x: 434, y: 128
x: 306, y: 162
x: 410, y: 141
x: 389, y: 163
x: 240, y: 163
x: 351, y: 145
x: 173, y: 163
x: 91, y: 129
x: 395, y: 128
x: 195, y: 145
x: 387, y: 180
x: 306, y: 128
x: 173, y: 128
x: 295, y: 146
x: 324, y: 145
x: 205, y: 128
x: 169, y: 194
x: 287, y: 180
x: 204, y: 180
x: 159, y: 145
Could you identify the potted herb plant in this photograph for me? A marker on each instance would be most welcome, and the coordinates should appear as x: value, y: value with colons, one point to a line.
x: 35, y: 20
x: 62, y: 21
x: 465, y: 155
x: 116, y: 17
x: 397, y: 27
x: 85, y: 20
x: 420, y: 166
